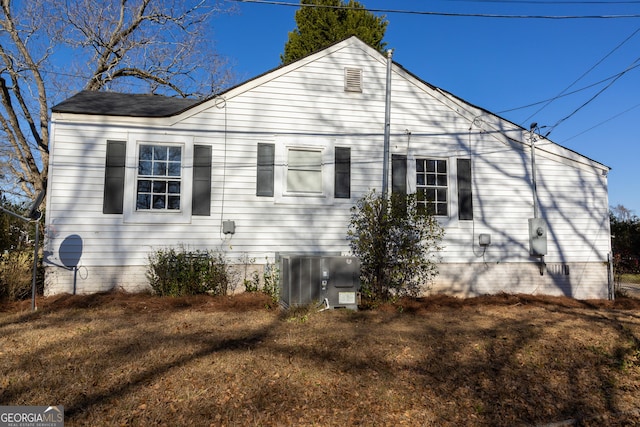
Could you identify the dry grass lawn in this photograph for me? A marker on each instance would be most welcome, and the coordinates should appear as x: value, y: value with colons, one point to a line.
x: 138, y: 360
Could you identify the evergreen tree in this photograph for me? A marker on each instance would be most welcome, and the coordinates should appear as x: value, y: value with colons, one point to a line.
x: 323, y: 22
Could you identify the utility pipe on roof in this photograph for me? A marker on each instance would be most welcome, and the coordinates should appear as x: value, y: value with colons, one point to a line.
x: 387, y: 127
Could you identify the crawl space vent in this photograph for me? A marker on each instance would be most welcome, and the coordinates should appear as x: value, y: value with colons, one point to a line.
x: 353, y: 80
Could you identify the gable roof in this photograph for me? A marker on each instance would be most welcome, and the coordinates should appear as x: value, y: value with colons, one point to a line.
x: 159, y: 106
x: 123, y: 104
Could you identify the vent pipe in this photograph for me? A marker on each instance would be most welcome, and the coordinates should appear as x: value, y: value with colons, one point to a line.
x: 387, y: 127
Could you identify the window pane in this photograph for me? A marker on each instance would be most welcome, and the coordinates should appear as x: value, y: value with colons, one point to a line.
x: 174, y: 202
x: 144, y: 168
x: 146, y: 152
x: 441, y: 180
x: 420, y: 179
x: 430, y: 194
x: 143, y: 201
x: 174, y: 169
x: 442, y: 166
x: 304, y: 172
x: 159, y: 186
x: 175, y: 154
x: 160, y: 153
x: 305, y: 159
x: 441, y: 209
x: 442, y: 195
x: 304, y: 181
x: 174, y: 187
x: 144, y: 186
x: 159, y: 169
x: 431, y: 165
x: 158, y: 202
x: 420, y: 165
x: 431, y: 179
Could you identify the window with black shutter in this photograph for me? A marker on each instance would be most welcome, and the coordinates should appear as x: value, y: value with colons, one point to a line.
x: 465, y: 195
x: 342, y: 173
x: 265, y: 170
x: 114, y: 177
x: 201, y: 200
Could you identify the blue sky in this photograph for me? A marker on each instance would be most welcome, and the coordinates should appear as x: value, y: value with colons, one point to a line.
x: 499, y: 65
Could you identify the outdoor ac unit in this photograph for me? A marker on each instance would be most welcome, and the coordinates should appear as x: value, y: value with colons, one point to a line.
x: 317, y: 279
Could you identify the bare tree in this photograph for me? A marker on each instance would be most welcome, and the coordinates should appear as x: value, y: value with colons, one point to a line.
x: 50, y: 49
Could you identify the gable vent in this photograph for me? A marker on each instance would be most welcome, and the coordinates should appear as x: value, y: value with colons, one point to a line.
x: 353, y: 80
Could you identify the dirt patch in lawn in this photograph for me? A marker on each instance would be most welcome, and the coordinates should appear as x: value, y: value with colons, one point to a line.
x: 123, y: 359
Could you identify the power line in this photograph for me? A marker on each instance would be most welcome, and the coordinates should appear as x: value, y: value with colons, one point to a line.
x: 583, y: 75
x: 573, y: 92
x: 550, y: 2
x: 596, y: 95
x: 449, y: 14
x: 601, y: 123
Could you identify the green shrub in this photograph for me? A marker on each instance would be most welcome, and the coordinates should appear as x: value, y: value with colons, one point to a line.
x: 179, y: 272
x: 396, y: 243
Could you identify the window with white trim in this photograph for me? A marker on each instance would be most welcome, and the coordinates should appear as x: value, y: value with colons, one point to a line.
x: 159, y: 178
x: 432, y: 186
x: 304, y: 171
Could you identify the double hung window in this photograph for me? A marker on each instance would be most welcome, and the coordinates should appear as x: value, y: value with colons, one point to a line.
x: 304, y: 171
x: 159, y: 178
x: 432, y: 186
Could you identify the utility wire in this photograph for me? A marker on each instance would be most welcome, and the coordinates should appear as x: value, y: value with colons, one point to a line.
x: 583, y: 75
x: 596, y: 95
x: 573, y: 92
x: 450, y: 14
x: 601, y: 123
x: 550, y: 2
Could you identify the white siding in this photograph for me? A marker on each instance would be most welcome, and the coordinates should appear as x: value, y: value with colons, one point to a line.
x: 306, y: 103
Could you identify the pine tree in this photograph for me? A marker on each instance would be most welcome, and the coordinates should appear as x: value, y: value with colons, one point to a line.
x: 323, y: 22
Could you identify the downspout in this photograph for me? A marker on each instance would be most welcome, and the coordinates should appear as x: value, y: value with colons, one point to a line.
x: 387, y: 127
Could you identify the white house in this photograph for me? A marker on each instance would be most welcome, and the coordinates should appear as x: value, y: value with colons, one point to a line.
x: 274, y: 165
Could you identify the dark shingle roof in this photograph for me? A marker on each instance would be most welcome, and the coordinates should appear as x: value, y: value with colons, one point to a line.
x: 124, y: 104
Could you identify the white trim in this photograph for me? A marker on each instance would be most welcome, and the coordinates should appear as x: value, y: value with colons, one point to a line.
x: 131, y: 215
x: 318, y: 143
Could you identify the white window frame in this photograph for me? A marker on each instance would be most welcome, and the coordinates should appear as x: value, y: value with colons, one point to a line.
x: 166, y: 178
x: 326, y: 147
x: 304, y: 169
x: 448, y: 175
x: 166, y: 216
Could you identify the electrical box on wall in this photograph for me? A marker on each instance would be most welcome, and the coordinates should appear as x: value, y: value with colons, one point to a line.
x: 228, y: 227
x: 484, y: 239
x: 537, y: 237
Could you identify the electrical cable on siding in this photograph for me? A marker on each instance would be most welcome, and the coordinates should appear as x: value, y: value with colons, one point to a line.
x: 221, y: 103
x: 473, y: 189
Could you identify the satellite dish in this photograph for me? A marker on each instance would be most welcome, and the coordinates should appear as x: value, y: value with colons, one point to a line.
x: 70, y: 251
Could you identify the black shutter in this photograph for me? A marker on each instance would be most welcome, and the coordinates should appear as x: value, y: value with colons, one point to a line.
x: 264, y: 176
x: 399, y: 174
x: 114, y: 177
x: 465, y: 195
x: 342, y: 173
x: 201, y: 198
